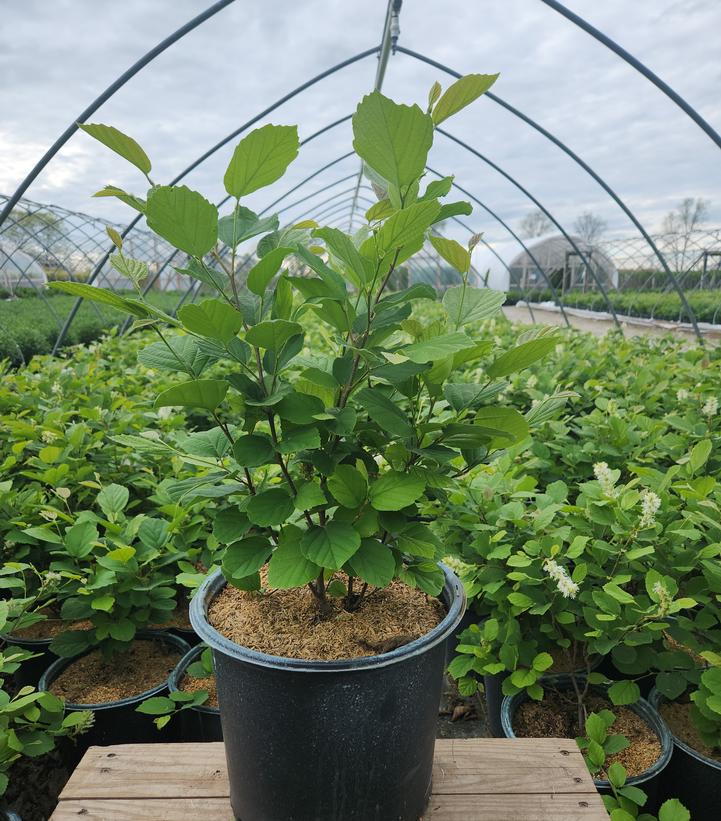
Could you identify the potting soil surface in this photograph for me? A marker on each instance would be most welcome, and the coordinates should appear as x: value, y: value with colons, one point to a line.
x: 677, y: 715
x: 195, y: 685
x: 557, y: 717
x: 93, y: 680
x: 287, y: 623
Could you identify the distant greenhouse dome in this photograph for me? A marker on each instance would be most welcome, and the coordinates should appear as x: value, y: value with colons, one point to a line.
x: 19, y: 270
x: 563, y: 263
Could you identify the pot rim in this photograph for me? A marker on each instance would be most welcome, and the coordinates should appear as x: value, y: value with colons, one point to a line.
x: 453, y: 594
x: 641, y: 707
x: 656, y: 698
x: 175, y: 677
x: 57, y: 667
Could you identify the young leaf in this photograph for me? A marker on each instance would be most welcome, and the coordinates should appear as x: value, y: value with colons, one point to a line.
x: 197, y: 393
x: 272, y: 334
x: 373, y: 562
x: 330, y: 546
x: 465, y: 305
x: 112, y: 500
x: 392, y: 139
x: 118, y: 142
x: 271, y: 507
x: 184, y: 218
x: 348, y: 486
x: 673, y: 810
x: 452, y: 252
x: 265, y: 269
x: 261, y: 158
x: 211, y: 318
x: 99, y: 295
x: 463, y: 92
x: 407, y: 225
x: 395, y: 490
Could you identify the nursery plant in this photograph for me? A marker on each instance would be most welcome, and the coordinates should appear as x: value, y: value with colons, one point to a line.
x: 327, y: 454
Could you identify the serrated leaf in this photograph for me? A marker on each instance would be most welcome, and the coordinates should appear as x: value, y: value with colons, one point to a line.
x: 271, y: 507
x: 331, y: 545
x: 184, y: 218
x: 197, y: 393
x: 374, y: 563
x: 461, y: 93
x: 212, y: 318
x: 395, y: 490
x: 466, y: 305
x: 265, y: 269
x: 261, y: 158
x: 245, y: 557
x: 348, y: 486
x: 272, y: 334
x: 120, y: 143
x: 288, y: 567
x: 452, y: 252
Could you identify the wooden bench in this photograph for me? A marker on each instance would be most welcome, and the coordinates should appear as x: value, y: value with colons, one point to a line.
x: 473, y: 779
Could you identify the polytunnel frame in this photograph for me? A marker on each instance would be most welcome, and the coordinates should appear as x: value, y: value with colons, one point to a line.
x: 383, y: 51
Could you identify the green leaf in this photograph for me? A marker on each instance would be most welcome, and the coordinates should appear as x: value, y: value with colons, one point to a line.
x: 105, y: 603
x: 243, y: 224
x: 298, y: 439
x: 245, y: 557
x: 72, y: 643
x: 197, y: 393
x: 211, y: 318
x: 392, y: 139
x: 672, y: 685
x: 341, y: 246
x: 521, y: 356
x: 374, y: 563
x: 542, y: 662
x: 406, y: 225
x: 432, y: 350
x: 673, y: 810
x: 272, y: 334
x: 156, y: 706
x: 229, y: 525
x: 330, y: 546
x: 129, y: 199
x: 253, y: 450
x: 418, y: 540
x: 118, y: 142
x: 452, y: 252
x: 471, y: 304
x: 99, y: 295
x: 463, y: 92
x: 288, y: 567
x: 348, y: 486
x: 181, y: 353
x: 384, y: 412
x: 112, y: 500
x: 699, y: 454
x: 261, y: 158
x: 310, y: 495
x: 271, y: 507
x: 624, y: 692
x: 263, y: 271
x: 395, y: 490
x: 507, y: 420
x: 184, y: 218
x: 80, y: 538
x: 133, y: 269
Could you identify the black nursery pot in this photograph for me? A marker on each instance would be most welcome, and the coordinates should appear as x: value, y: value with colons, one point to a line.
x: 650, y: 780
x: 328, y: 740
x: 29, y: 672
x: 117, y: 722
x: 201, y: 723
x: 690, y: 776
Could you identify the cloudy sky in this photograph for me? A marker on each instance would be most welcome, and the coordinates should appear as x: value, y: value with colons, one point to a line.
x: 56, y: 57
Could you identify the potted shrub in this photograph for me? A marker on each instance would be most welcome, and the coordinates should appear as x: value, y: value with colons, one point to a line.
x: 121, y: 587
x: 570, y: 583
x: 329, y: 617
x: 30, y: 723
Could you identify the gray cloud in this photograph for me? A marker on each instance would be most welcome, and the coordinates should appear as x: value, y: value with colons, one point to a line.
x: 55, y: 57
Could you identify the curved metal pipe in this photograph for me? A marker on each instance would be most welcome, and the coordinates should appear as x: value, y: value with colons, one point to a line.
x: 687, y: 109
x: 104, y: 97
x: 536, y: 202
x: 587, y: 168
x: 279, y: 102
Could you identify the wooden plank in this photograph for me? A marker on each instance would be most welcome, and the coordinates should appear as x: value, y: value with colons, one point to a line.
x: 471, y: 766
x: 516, y: 808
x: 145, y: 809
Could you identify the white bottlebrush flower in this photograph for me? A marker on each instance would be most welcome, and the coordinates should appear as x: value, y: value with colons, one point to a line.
x: 566, y: 586
x: 49, y: 515
x: 710, y: 407
x: 532, y: 381
x: 604, y: 477
x: 48, y: 436
x: 62, y: 492
x: 650, y: 503
x: 664, y: 598
x: 56, y: 387
x: 682, y: 394
x: 52, y: 576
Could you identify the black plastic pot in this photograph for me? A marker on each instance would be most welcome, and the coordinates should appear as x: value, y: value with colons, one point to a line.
x: 29, y: 672
x: 690, y: 776
x: 9, y: 815
x: 650, y: 780
x: 201, y: 723
x: 493, y: 692
x: 190, y: 637
x: 330, y: 740
x: 117, y: 722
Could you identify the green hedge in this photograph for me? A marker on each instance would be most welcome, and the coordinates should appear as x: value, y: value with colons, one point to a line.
x: 652, y: 304
x: 30, y: 326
